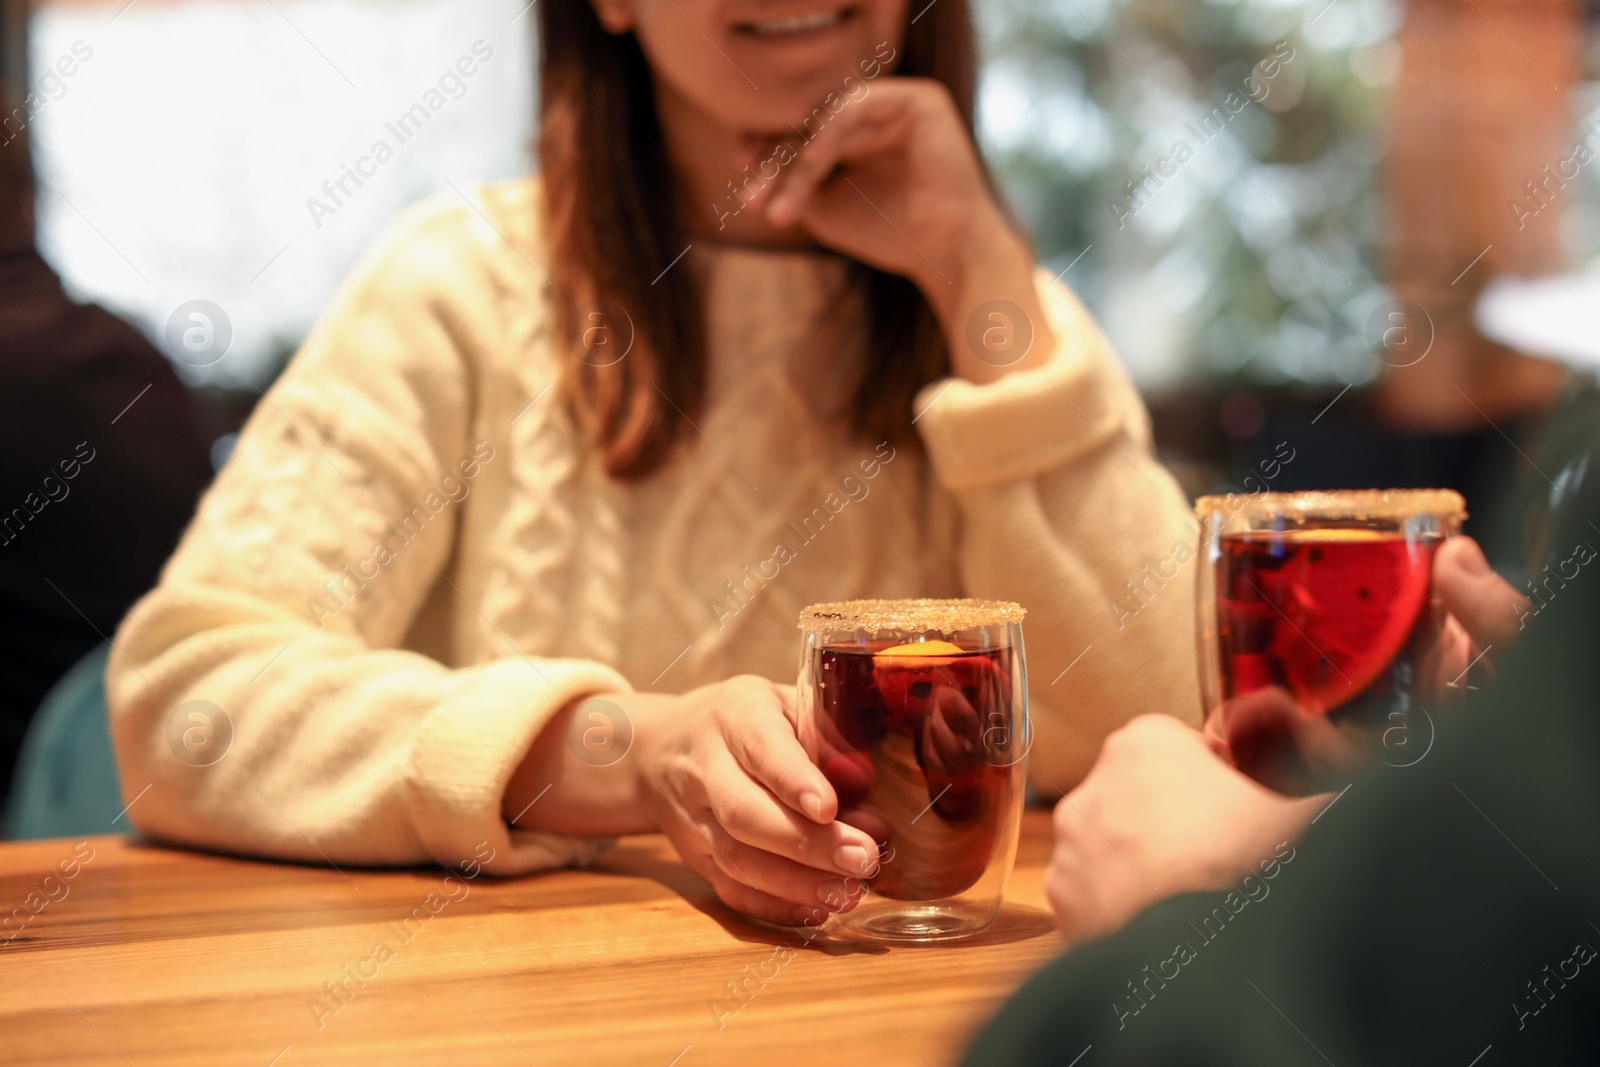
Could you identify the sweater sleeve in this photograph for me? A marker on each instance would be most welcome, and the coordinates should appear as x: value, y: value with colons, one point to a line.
x: 1065, y: 510
x: 261, y: 697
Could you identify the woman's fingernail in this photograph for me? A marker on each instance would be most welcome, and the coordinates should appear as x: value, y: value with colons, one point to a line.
x: 854, y: 859
x: 811, y: 804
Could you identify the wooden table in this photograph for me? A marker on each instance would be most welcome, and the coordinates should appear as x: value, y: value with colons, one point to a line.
x: 160, y: 956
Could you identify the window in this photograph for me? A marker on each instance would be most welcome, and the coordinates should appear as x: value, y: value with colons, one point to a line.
x: 198, y: 149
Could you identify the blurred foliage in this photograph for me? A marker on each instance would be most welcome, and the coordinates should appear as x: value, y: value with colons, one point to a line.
x: 1258, y: 258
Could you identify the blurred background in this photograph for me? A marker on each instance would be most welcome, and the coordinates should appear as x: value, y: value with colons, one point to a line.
x: 1376, y: 251
x: 1336, y: 242
x: 1251, y: 270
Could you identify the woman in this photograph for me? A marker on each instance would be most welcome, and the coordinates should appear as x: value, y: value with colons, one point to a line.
x: 513, y: 553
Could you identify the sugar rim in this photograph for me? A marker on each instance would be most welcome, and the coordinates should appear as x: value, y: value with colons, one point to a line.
x: 1340, y: 503
x: 919, y: 615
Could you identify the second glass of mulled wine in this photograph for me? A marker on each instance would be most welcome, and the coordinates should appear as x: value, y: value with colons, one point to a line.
x: 1321, y: 639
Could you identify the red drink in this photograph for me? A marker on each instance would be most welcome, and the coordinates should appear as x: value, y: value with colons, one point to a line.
x: 1320, y: 640
x: 914, y: 738
x: 1336, y: 617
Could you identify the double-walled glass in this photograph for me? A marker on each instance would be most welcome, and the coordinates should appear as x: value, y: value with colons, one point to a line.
x: 917, y: 712
x: 1320, y: 636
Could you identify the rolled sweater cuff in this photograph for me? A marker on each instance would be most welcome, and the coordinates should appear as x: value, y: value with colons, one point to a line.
x: 467, y: 749
x: 1032, y: 421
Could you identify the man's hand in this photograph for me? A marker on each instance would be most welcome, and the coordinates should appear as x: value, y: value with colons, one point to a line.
x: 1266, y: 735
x: 1159, y: 814
x: 1485, y: 610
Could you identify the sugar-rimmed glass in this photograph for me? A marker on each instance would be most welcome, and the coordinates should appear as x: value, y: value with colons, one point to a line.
x: 917, y: 713
x: 1320, y: 635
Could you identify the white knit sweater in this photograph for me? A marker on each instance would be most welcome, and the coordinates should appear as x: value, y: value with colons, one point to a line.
x: 413, y: 560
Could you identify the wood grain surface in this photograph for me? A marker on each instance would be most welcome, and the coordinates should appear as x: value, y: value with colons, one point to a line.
x: 150, y: 955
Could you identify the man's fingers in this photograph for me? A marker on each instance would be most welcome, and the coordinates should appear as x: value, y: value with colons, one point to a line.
x: 1057, y: 890
x: 1092, y: 888
x: 1486, y: 604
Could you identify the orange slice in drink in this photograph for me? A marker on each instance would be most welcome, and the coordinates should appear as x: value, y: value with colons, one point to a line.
x: 921, y: 650
x: 1351, y: 599
x: 906, y: 676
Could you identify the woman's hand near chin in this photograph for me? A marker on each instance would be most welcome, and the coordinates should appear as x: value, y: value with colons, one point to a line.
x: 894, y: 181
x: 721, y: 772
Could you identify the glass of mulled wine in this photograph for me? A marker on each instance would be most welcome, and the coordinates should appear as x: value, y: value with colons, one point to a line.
x: 1320, y: 638
x: 917, y: 712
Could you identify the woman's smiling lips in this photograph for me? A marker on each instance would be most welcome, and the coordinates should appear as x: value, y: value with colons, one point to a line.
x: 799, y: 26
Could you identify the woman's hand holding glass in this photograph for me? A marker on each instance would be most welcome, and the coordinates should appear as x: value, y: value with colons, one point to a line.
x: 720, y: 771
x: 747, y: 809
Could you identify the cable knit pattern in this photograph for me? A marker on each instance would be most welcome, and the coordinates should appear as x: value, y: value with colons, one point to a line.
x: 541, y: 529
x: 414, y: 560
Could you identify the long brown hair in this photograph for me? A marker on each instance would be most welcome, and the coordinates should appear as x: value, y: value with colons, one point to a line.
x: 614, y: 228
